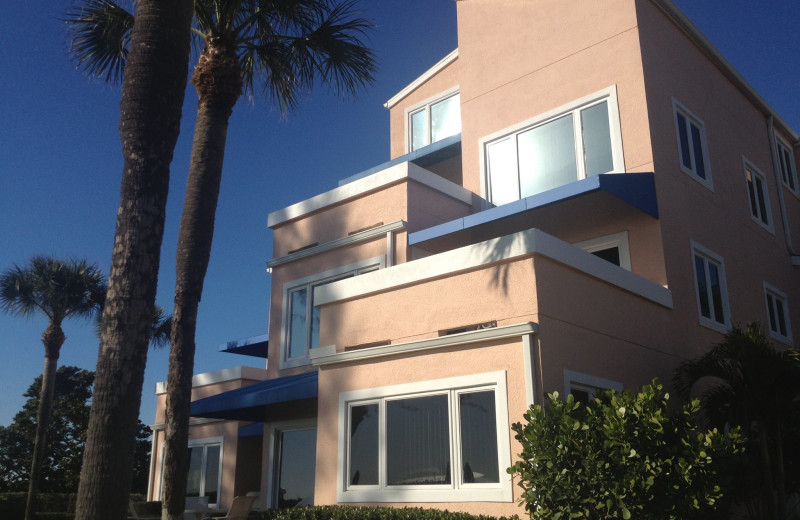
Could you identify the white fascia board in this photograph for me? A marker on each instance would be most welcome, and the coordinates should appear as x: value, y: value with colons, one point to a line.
x: 694, y: 34
x: 371, y: 183
x: 220, y: 376
x: 483, y: 254
x: 328, y: 355
x: 428, y: 74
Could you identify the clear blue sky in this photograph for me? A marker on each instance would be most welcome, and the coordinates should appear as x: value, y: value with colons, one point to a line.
x: 60, y: 162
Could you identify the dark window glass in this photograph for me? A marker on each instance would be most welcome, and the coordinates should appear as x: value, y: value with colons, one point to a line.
x: 697, y: 148
x: 479, y: 437
x: 364, y: 445
x: 417, y: 441
x: 702, y: 289
x: 610, y: 254
x: 686, y: 157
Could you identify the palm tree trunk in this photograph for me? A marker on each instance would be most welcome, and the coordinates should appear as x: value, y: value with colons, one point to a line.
x: 53, y: 338
x: 150, y: 113
x: 218, y: 82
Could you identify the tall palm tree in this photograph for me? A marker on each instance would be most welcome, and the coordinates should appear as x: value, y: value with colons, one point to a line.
x: 154, y: 54
x: 59, y: 290
x: 279, y: 46
x: 743, y: 381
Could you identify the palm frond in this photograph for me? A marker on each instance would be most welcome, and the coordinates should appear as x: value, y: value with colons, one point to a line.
x: 101, y: 31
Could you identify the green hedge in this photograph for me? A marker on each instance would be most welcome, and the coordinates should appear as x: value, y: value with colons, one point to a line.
x: 50, y: 506
x: 370, y: 513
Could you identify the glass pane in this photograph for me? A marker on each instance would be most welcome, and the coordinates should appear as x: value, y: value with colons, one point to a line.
x: 297, y: 323
x: 762, y: 202
x: 364, y: 445
x: 773, y: 323
x: 596, y: 140
x: 195, y: 474
x: 781, y: 317
x: 503, y: 182
x: 716, y: 292
x: 417, y: 441
x: 547, y: 156
x: 702, y: 288
x: 610, y: 254
x: 298, y: 450
x: 479, y: 437
x: 446, y: 118
x: 212, y: 473
x: 683, y: 136
x: 697, y: 149
x: 752, y: 193
x: 419, y: 129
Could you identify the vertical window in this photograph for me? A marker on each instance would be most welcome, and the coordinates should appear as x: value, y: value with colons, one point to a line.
x: 758, y: 195
x: 712, y: 293
x: 302, y: 317
x: 426, y: 442
x: 777, y: 314
x: 787, y: 166
x: 585, y: 388
x: 434, y: 121
x: 203, y: 479
x: 294, y: 467
x: 692, y: 145
x: 571, y: 143
x: 612, y: 248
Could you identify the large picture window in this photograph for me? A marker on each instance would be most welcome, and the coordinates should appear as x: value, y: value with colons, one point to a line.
x: 302, y: 317
x: 571, y: 143
x: 438, y: 441
x: 434, y: 121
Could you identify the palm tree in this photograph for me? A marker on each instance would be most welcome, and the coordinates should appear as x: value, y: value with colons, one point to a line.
x: 58, y: 289
x: 743, y: 381
x: 280, y: 46
x: 155, y: 56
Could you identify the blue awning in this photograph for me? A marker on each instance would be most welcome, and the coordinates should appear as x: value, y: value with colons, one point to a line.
x: 274, y: 398
x: 255, y: 346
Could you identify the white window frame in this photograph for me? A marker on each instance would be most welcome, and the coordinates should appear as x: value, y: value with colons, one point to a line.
x: 309, y: 282
x: 692, y: 119
x: 588, y: 383
x: 193, y: 443
x: 270, y: 453
x: 709, y: 257
x: 776, y: 294
x: 618, y: 240
x: 787, y: 177
x: 751, y: 171
x: 426, y: 106
x: 456, y: 491
x: 608, y: 94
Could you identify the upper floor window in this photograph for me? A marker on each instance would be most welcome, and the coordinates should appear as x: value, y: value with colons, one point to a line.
x: 778, y: 314
x: 787, y: 165
x: 434, y: 121
x: 302, y: 318
x: 712, y: 291
x: 570, y: 143
x: 692, y: 145
x: 435, y: 441
x: 612, y: 248
x: 758, y: 195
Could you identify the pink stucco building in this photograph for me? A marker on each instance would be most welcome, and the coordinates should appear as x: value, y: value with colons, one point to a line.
x: 569, y: 206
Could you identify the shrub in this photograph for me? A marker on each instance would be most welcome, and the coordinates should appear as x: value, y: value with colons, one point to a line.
x: 621, y: 456
x: 368, y: 513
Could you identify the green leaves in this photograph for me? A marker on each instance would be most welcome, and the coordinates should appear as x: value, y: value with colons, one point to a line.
x: 621, y: 456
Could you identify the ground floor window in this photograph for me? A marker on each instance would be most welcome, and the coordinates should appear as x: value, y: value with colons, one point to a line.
x: 294, y: 465
x: 433, y: 441
x: 585, y: 388
x: 205, y: 470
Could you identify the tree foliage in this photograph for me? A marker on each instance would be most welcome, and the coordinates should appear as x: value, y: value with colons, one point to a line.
x: 66, y: 436
x: 621, y: 456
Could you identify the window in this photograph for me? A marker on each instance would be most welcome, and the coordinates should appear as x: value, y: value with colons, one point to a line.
x: 612, y: 248
x: 585, y: 388
x: 437, y: 441
x: 565, y: 145
x: 434, y: 121
x: 293, y: 463
x: 692, y: 145
x: 787, y: 165
x: 758, y: 195
x: 712, y: 292
x: 778, y: 314
x: 205, y: 469
x: 301, y: 316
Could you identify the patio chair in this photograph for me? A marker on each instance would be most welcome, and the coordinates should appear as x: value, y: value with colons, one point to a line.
x: 240, y: 508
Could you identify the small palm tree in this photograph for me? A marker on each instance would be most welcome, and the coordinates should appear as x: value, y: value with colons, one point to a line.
x: 59, y: 290
x: 743, y: 381
x: 279, y: 47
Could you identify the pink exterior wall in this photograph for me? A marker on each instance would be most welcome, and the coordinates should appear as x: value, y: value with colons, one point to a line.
x: 719, y: 220
x: 536, y: 56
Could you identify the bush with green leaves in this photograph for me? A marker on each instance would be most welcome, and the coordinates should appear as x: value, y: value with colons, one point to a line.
x: 621, y: 456
x: 370, y: 513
